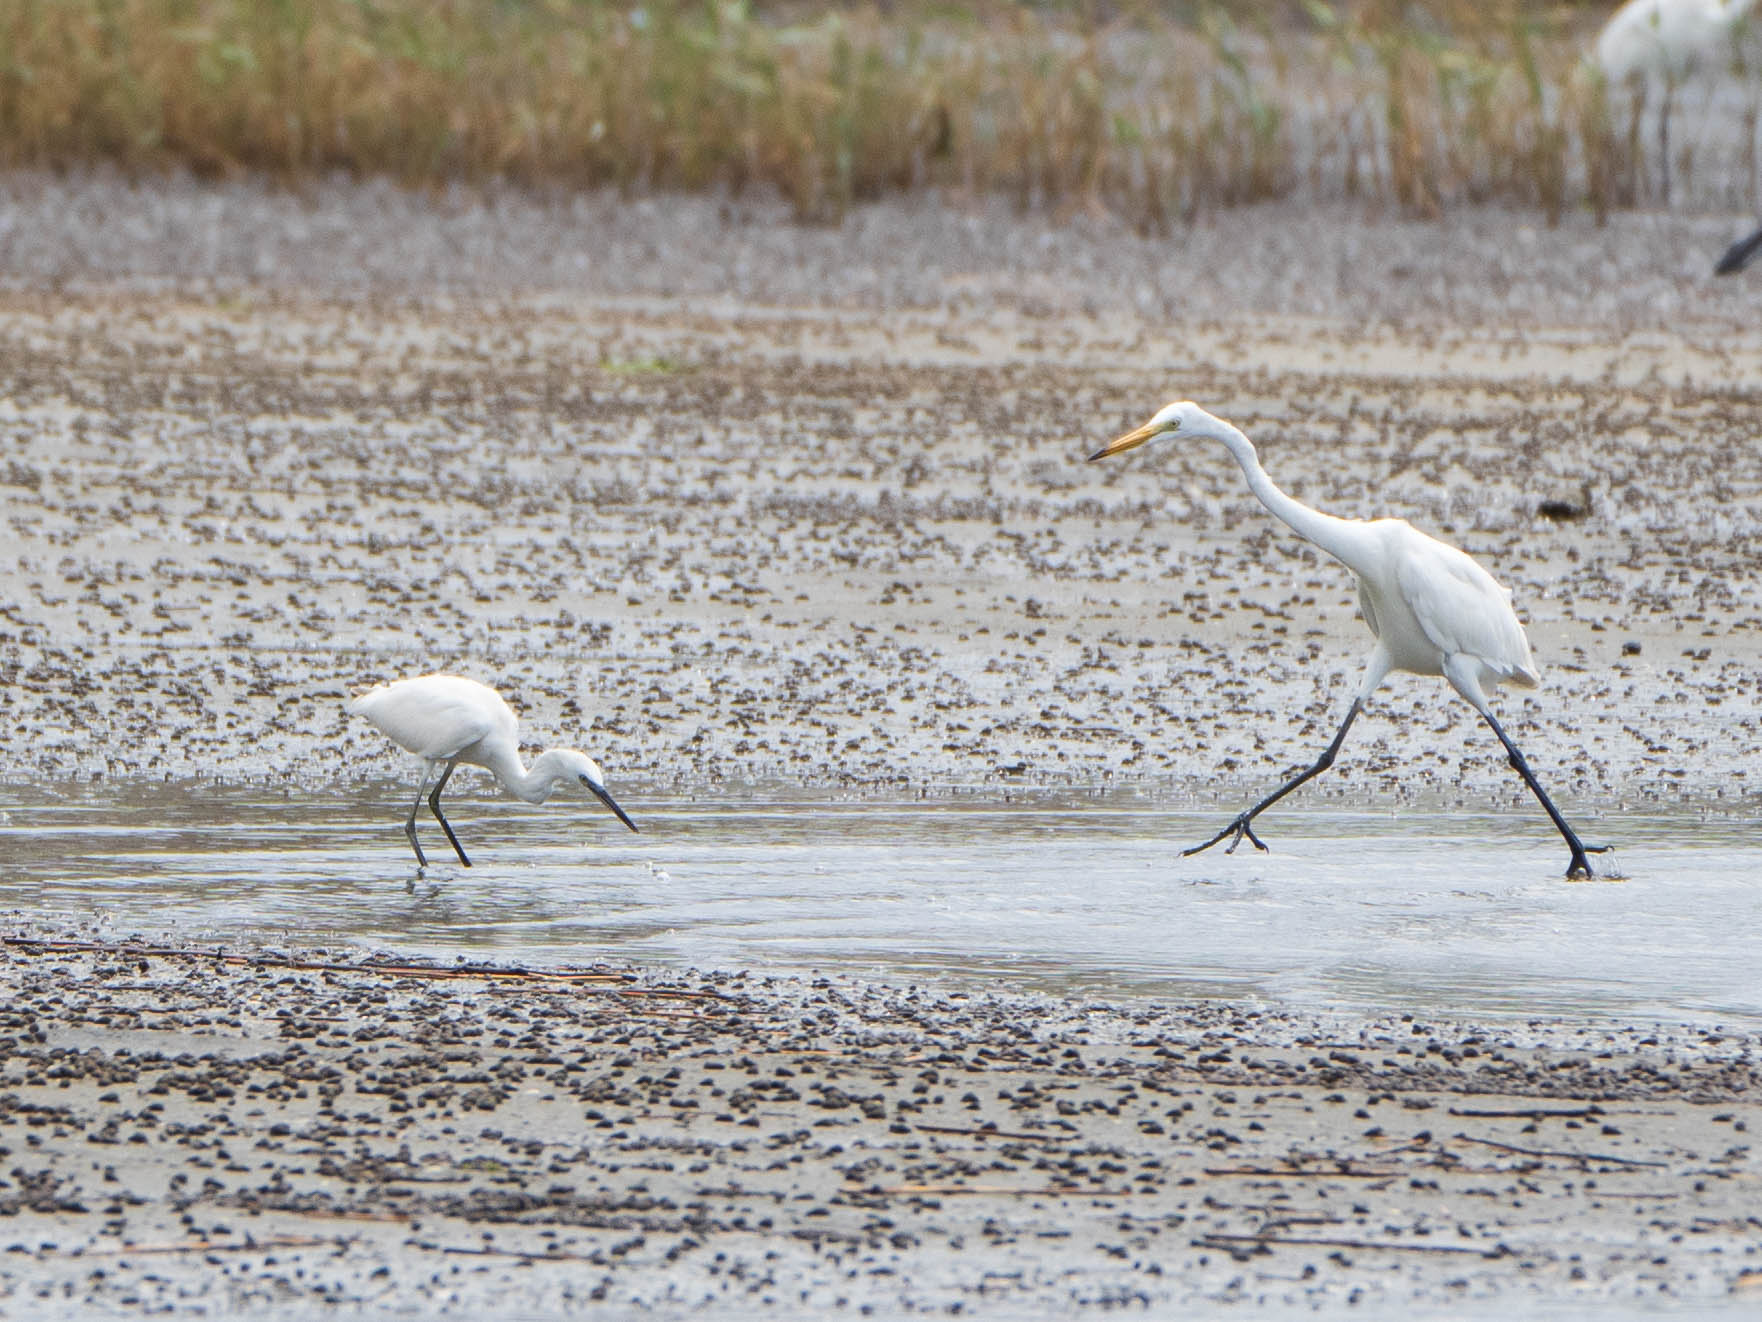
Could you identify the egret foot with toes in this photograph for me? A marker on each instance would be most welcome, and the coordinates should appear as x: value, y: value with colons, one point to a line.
x: 1240, y: 829
x: 1580, y: 867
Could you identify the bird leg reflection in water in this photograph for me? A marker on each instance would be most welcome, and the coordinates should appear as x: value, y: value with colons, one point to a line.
x: 1434, y: 611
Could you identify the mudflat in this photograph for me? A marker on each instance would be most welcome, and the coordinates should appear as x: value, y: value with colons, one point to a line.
x: 833, y: 523
x: 232, y: 1131
x: 726, y: 501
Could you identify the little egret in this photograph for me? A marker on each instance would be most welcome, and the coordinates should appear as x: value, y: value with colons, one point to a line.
x: 1434, y: 611
x: 448, y: 719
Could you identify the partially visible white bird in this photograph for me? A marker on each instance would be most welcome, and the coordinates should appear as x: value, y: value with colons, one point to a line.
x: 449, y: 719
x: 1434, y: 611
x: 1668, y: 40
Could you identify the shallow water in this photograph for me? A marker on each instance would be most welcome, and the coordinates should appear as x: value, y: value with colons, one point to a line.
x: 1434, y: 912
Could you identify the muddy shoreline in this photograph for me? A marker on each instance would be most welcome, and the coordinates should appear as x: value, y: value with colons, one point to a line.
x: 730, y: 502
x: 746, y: 542
x: 251, y: 1129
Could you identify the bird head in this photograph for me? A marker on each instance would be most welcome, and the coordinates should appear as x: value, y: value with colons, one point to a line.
x: 584, y: 769
x: 1182, y: 418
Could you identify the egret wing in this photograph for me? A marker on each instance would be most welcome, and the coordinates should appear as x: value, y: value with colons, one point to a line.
x: 1463, y: 609
x: 435, y: 716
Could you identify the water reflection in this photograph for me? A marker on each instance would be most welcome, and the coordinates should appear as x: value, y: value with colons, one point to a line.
x: 1434, y: 912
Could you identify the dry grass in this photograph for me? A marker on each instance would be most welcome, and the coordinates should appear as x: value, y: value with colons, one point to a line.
x: 1152, y: 111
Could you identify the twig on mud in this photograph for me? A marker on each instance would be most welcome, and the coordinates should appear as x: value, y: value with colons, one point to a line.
x: 977, y: 1132
x: 1049, y: 1191
x: 1274, y: 1224
x: 427, y: 1179
x: 1301, y: 1174
x: 499, y: 973
x: 209, y: 1246
x: 134, y: 950
x: 1240, y: 1245
x: 1533, y: 1113
x: 1580, y: 1157
x: 474, y: 1251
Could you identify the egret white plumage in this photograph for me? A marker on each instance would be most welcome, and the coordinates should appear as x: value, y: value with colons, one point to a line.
x: 448, y: 719
x: 1668, y: 41
x: 1434, y: 611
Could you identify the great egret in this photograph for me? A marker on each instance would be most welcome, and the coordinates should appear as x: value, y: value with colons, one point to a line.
x: 1669, y: 40
x: 449, y: 719
x: 1434, y: 611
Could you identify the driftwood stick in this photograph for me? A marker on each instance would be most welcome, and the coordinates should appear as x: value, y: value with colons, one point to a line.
x: 211, y: 1246
x: 1250, y: 1243
x: 993, y: 1133
x: 1532, y: 1113
x: 433, y: 973
x: 1269, y: 1173
x: 474, y: 1251
x: 134, y: 950
x: 1571, y: 1156
x: 994, y: 1190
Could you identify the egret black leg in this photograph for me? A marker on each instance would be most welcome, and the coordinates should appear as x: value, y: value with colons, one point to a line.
x: 434, y: 806
x: 1739, y: 255
x: 1580, y: 867
x: 1241, y: 826
x: 410, y: 825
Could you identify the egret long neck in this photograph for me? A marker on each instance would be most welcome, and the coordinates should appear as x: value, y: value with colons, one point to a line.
x: 1340, y: 538
x: 533, y: 785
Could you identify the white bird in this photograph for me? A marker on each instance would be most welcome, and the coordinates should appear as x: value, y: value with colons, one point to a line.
x: 1434, y: 611
x: 449, y: 719
x: 1670, y: 40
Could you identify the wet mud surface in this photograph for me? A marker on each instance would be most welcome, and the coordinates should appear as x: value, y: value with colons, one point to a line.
x: 286, y: 1129
x: 726, y: 502
x: 711, y: 539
